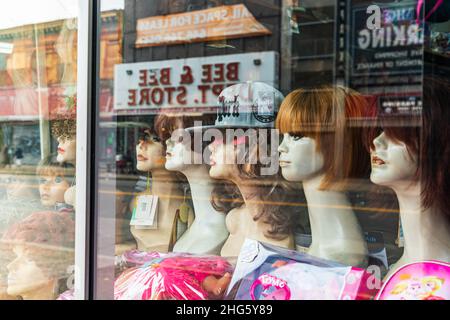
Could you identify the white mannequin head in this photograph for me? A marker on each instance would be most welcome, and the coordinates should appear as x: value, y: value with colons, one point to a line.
x: 42, y: 246
x: 52, y: 190
x: 24, y: 275
x: 21, y: 187
x: 178, y: 154
x: 64, y: 130
x: 300, y: 158
x: 54, y: 180
x: 150, y: 152
x: 223, y: 160
x: 316, y: 138
x: 392, y: 162
x: 67, y: 148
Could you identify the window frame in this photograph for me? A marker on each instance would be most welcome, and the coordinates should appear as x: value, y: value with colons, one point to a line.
x: 87, y: 87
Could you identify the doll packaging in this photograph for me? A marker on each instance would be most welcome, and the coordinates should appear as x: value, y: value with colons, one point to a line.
x: 426, y: 280
x: 266, y: 272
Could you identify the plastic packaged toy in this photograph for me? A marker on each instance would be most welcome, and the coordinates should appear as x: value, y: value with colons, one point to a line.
x: 67, y: 295
x: 427, y: 280
x: 175, y: 276
x: 134, y: 258
x: 266, y: 272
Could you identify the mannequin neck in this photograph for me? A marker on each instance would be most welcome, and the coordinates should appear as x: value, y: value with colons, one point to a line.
x: 201, y: 186
x: 253, y: 205
x: 426, y: 231
x: 327, y: 210
x: 44, y: 292
x: 252, y: 201
x: 163, y: 182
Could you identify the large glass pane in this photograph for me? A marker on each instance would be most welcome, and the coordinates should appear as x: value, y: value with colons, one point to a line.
x: 38, y: 106
x: 311, y: 129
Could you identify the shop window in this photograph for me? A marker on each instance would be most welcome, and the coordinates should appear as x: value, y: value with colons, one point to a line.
x: 244, y: 131
x: 38, y: 134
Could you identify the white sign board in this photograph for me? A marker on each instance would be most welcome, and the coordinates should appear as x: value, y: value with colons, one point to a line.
x: 192, y: 82
x: 6, y: 47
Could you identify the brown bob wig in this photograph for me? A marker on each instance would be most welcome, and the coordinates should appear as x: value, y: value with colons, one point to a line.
x: 426, y: 136
x: 329, y: 115
x: 165, y: 124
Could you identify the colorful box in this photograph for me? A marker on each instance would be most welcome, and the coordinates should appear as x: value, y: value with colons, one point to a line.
x: 266, y: 272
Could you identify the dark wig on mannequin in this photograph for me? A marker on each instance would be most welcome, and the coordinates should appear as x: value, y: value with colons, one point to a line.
x: 426, y: 135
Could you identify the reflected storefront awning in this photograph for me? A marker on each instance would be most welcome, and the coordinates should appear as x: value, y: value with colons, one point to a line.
x: 30, y: 104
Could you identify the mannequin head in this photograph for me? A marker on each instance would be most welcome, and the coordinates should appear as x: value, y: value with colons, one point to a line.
x: 415, y: 148
x: 392, y: 160
x: 180, y: 154
x: 54, y: 180
x: 224, y: 159
x: 317, y: 139
x: 43, y: 246
x: 64, y: 130
x: 241, y: 154
x: 21, y: 187
x: 232, y: 163
x: 149, y: 152
x: 176, y: 154
x: 66, y: 150
x: 151, y: 147
x: 300, y: 158
x: 24, y: 275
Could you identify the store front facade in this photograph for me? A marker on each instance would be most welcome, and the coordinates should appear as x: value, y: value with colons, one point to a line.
x: 224, y: 146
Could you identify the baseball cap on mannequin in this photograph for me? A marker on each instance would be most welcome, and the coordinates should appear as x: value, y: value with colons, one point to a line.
x: 246, y: 105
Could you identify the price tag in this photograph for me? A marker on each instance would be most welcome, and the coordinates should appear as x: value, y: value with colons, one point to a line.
x: 145, y: 212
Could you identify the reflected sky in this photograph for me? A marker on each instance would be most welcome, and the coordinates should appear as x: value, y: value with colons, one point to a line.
x: 24, y: 12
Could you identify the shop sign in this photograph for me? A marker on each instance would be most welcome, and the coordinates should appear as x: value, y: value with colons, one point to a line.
x: 224, y: 22
x: 6, y: 47
x: 395, y: 48
x: 192, y: 82
x: 400, y: 105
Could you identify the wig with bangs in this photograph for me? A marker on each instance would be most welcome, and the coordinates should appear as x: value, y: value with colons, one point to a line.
x: 329, y: 115
x: 399, y: 129
x: 426, y: 137
x: 52, y: 168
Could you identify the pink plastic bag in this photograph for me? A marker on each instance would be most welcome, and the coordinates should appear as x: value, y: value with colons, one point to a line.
x: 173, y: 277
x: 67, y: 295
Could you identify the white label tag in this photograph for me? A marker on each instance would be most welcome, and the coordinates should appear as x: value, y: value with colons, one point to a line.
x: 145, y: 213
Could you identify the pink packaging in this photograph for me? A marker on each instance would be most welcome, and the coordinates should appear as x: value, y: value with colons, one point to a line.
x: 67, y: 295
x: 175, y: 276
x: 426, y: 280
x: 266, y: 272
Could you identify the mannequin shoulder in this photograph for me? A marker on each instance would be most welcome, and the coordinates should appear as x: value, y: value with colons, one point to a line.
x: 234, y: 214
x: 235, y: 220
